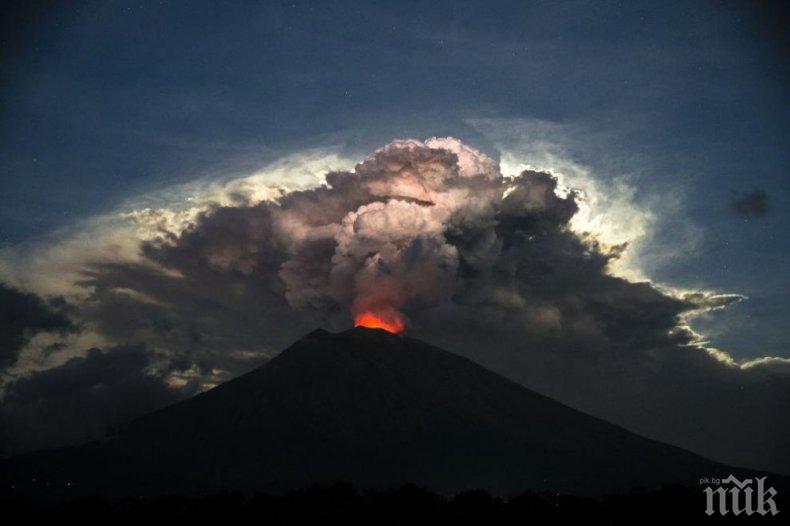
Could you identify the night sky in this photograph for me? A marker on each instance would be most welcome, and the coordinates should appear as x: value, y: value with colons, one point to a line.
x: 121, y: 123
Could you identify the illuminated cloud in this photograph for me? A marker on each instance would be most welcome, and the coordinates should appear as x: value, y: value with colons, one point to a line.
x: 530, y: 273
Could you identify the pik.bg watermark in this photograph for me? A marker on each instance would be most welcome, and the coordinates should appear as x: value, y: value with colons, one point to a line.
x: 730, y: 495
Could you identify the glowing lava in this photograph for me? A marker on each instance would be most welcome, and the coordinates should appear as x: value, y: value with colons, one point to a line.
x: 385, y: 318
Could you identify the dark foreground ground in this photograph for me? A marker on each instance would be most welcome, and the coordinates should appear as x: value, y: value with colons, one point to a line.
x: 342, y: 504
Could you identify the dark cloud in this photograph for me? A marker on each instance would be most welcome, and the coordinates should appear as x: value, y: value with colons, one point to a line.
x: 84, y: 398
x: 23, y: 315
x: 751, y: 204
x: 483, y: 265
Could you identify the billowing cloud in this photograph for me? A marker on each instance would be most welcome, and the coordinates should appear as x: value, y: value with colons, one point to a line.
x: 496, y: 267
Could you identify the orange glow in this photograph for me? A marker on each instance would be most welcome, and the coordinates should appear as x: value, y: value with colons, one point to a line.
x: 385, y: 318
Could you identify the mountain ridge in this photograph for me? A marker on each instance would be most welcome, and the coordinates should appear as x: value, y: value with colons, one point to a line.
x: 376, y: 409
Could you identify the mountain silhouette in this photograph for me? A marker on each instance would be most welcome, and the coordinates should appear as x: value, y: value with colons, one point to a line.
x: 368, y: 407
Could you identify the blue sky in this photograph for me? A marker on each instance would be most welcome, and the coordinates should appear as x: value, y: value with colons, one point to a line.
x: 103, y: 101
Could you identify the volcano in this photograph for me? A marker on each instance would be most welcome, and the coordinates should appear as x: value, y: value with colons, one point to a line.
x: 372, y: 408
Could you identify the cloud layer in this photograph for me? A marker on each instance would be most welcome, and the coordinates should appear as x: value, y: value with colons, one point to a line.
x: 486, y: 265
x: 22, y: 316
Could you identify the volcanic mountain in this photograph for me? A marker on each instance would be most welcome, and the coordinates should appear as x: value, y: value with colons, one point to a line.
x: 372, y: 408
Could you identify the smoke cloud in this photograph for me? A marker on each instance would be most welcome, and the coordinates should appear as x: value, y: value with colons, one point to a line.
x: 487, y: 265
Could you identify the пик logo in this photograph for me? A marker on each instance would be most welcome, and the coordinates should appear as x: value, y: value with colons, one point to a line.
x: 739, y: 497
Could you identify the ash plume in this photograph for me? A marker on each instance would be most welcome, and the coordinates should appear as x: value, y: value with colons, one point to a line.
x: 482, y: 264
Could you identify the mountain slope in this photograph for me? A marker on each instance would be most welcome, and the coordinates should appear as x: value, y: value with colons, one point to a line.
x: 375, y: 409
